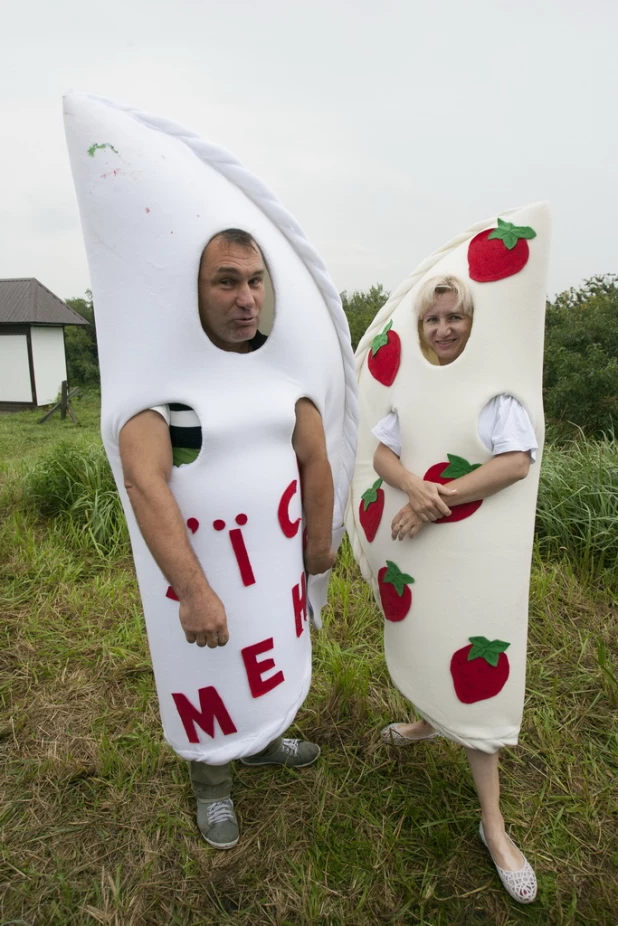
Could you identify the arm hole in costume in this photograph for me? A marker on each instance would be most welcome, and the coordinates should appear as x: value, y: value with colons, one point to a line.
x: 185, y: 431
x: 504, y: 426
x: 388, y: 432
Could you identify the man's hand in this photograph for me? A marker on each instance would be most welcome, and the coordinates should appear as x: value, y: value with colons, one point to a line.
x: 425, y: 499
x: 406, y: 523
x: 319, y: 561
x: 203, y: 618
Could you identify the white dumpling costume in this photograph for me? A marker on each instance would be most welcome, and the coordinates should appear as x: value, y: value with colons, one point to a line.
x: 455, y: 597
x: 151, y: 195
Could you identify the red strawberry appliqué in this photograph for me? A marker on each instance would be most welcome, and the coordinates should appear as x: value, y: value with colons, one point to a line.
x: 384, y: 356
x: 446, y: 472
x: 395, y: 595
x: 370, y: 510
x: 480, y: 671
x: 497, y: 253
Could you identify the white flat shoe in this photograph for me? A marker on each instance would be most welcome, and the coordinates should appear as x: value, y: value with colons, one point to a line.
x: 520, y: 884
x: 393, y: 737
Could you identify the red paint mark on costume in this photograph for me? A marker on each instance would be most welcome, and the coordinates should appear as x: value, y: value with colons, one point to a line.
x: 241, y: 519
x: 255, y: 670
x: 170, y: 593
x: 299, y: 600
x: 289, y: 528
x: 218, y: 525
x: 193, y: 524
x: 211, y: 708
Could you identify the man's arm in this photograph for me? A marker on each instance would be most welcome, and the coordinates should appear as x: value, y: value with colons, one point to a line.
x: 317, y: 486
x: 146, y: 455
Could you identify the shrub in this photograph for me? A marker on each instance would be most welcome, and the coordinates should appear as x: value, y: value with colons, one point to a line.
x: 74, y: 485
x: 581, y: 358
x: 577, y: 514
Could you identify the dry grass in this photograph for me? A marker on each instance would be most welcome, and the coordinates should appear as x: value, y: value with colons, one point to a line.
x: 96, y: 817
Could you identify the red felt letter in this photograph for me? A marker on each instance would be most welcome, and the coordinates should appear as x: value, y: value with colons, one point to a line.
x: 299, y: 600
x: 211, y: 708
x: 289, y: 528
x: 255, y: 670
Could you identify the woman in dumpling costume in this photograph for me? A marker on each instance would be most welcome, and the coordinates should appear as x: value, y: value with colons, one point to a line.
x: 445, y: 318
x: 450, y: 376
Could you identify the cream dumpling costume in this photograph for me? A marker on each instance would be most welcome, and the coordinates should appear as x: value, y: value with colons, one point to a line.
x: 151, y: 195
x: 455, y: 598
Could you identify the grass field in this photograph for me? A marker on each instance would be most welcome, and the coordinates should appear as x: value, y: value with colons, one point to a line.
x: 96, y: 814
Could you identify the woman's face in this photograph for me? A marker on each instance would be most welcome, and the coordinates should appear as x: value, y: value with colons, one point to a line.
x: 445, y: 329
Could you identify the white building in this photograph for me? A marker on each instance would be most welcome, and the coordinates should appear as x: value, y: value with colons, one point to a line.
x: 32, y: 356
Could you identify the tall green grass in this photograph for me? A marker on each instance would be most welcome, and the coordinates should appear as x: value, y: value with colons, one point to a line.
x: 577, y: 513
x: 73, y: 485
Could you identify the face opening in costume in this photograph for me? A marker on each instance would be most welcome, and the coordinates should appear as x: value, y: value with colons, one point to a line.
x: 233, y: 287
x: 444, y: 319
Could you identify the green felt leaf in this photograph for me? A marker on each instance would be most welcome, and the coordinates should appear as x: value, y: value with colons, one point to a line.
x: 524, y: 231
x: 489, y: 650
x: 394, y: 576
x: 459, y: 466
x: 371, y: 495
x: 510, y: 234
x: 380, y: 340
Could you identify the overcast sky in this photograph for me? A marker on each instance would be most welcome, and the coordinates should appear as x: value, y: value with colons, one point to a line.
x: 384, y: 127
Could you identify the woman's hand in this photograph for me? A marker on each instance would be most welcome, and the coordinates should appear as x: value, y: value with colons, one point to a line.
x: 426, y: 499
x: 406, y: 523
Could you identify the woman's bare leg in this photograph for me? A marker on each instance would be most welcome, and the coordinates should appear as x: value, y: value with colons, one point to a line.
x: 484, y: 768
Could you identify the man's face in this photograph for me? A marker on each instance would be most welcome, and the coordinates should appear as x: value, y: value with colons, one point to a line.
x: 231, y: 294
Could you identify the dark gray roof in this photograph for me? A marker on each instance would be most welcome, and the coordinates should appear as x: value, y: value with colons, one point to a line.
x: 28, y: 302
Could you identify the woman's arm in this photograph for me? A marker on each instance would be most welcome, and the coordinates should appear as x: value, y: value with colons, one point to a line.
x: 425, y: 498
x: 496, y: 474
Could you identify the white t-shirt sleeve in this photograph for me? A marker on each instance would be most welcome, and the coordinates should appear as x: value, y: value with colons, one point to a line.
x: 388, y: 432
x: 164, y: 411
x: 504, y: 426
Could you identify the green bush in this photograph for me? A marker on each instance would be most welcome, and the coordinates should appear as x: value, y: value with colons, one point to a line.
x: 577, y: 514
x: 580, y: 374
x: 74, y: 486
x: 360, y: 309
x: 81, y: 345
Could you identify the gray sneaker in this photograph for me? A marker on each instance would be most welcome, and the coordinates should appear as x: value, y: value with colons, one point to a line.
x: 217, y: 822
x: 294, y: 753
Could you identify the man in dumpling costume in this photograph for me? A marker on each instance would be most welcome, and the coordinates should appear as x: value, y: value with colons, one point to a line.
x: 231, y: 436
x: 231, y: 293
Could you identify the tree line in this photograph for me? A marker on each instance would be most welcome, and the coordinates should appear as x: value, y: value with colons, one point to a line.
x: 580, y: 375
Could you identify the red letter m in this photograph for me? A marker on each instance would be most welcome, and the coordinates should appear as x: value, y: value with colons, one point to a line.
x: 211, y: 707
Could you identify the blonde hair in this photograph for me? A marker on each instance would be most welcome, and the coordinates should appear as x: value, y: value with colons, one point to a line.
x: 426, y: 298
x: 435, y: 286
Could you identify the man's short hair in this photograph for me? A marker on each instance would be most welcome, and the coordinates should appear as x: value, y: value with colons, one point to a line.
x: 232, y: 236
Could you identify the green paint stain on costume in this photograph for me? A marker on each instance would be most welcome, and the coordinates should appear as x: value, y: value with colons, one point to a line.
x: 94, y: 148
